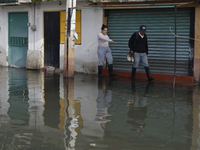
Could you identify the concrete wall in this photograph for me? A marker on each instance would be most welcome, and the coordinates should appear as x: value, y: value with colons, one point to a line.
x: 85, y: 54
x: 85, y: 57
x: 3, y: 38
x: 35, y: 37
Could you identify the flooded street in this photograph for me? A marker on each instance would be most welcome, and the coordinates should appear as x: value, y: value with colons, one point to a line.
x: 44, y: 111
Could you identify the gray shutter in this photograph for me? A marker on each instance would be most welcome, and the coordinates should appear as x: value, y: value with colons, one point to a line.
x: 123, y: 23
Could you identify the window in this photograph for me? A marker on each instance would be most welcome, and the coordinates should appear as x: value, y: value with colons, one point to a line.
x: 62, y: 26
x: 78, y: 27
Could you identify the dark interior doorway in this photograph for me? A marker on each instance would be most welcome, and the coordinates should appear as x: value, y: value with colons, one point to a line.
x: 51, y: 39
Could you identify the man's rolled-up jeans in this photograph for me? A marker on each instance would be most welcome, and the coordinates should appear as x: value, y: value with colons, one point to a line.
x: 140, y: 57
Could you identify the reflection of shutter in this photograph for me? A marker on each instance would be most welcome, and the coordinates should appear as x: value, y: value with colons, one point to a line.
x: 123, y: 23
x: 62, y: 26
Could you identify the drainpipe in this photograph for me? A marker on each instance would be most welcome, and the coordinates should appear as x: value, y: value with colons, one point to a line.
x: 65, y: 68
x: 72, y: 40
x: 68, y: 70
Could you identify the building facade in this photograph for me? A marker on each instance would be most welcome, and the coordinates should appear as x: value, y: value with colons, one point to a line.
x: 32, y: 34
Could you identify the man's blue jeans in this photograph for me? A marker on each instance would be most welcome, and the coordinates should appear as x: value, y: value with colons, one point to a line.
x: 140, y: 57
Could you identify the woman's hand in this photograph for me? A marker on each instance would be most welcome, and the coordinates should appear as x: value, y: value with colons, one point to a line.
x: 112, y: 41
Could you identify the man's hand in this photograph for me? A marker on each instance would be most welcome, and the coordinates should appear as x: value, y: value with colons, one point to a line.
x: 131, y: 52
x: 112, y: 41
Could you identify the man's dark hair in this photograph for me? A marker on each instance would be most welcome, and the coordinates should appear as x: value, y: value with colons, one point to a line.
x: 103, y: 27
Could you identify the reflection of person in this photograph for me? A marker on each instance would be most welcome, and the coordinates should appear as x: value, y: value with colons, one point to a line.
x: 104, y: 51
x: 139, y: 46
x: 138, y: 112
x: 103, y: 100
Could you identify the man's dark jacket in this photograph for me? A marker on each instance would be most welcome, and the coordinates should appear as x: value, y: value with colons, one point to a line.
x: 140, y: 45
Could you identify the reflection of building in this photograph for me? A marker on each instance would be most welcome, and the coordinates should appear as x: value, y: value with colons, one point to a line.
x: 18, y: 97
x: 138, y: 111
x: 24, y: 117
x: 52, y: 103
x: 36, y: 101
x: 4, y: 95
x: 167, y: 122
x: 86, y: 91
x: 103, y: 100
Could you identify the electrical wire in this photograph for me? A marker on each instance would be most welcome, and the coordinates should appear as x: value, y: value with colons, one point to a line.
x: 183, y: 36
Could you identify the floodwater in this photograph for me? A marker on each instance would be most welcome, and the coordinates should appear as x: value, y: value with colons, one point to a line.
x: 44, y: 111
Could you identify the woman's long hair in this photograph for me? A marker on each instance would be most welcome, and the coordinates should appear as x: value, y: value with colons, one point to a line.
x: 103, y: 27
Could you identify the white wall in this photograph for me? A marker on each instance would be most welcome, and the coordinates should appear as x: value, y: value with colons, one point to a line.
x: 3, y: 37
x: 85, y: 55
x: 4, y: 12
x: 85, y: 59
x: 35, y: 37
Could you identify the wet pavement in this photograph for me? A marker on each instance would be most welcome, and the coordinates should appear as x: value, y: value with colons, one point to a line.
x: 44, y: 111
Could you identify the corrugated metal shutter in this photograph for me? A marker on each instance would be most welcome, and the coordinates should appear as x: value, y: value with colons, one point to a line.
x: 123, y: 23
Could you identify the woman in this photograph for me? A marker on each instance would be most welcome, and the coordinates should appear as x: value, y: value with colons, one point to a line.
x: 104, y: 51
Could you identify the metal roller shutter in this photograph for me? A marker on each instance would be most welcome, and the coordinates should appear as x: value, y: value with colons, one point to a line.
x: 123, y: 23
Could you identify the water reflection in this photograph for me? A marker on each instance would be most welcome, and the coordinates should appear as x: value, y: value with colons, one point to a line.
x: 18, y: 97
x: 138, y: 110
x: 45, y: 111
x: 52, y: 101
x: 71, y: 116
x: 103, y: 100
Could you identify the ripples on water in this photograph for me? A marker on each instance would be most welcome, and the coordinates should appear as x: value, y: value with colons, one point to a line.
x: 45, y: 111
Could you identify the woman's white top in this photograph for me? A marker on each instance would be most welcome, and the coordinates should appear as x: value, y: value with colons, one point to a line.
x: 103, y: 40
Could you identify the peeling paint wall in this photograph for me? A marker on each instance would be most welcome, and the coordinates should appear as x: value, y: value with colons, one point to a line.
x: 34, y: 59
x: 85, y: 55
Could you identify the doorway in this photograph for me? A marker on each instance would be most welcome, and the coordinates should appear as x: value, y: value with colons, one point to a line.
x: 17, y: 39
x: 51, y: 39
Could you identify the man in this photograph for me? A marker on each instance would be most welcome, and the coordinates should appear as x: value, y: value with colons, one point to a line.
x: 139, y: 46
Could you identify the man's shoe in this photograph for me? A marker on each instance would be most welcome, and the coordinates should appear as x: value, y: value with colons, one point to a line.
x: 150, y: 79
x: 148, y: 74
x: 133, y: 74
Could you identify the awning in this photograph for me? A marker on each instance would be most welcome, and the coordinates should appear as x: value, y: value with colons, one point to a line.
x: 131, y: 5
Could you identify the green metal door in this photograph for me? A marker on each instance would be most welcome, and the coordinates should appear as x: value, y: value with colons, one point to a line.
x: 18, y: 39
x: 161, y: 41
